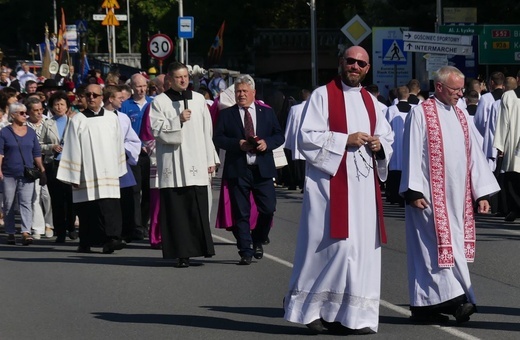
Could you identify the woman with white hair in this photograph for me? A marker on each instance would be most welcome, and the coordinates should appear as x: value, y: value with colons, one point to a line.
x: 19, y: 148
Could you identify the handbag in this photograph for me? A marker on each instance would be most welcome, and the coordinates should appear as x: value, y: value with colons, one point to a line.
x: 30, y: 173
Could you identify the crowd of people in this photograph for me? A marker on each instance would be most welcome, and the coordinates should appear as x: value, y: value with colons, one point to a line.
x: 133, y: 160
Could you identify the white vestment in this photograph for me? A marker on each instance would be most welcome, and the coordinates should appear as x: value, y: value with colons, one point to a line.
x: 132, y: 145
x: 338, y: 279
x: 292, y: 129
x: 489, y: 135
x: 397, y: 124
x: 93, y: 157
x: 507, y: 134
x: 482, y: 114
x: 182, y: 160
x: 427, y: 283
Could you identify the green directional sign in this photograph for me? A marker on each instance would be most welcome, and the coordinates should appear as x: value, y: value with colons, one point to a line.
x: 499, y: 44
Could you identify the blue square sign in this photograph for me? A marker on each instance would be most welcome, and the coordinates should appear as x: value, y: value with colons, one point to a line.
x: 186, y: 28
x: 393, y: 52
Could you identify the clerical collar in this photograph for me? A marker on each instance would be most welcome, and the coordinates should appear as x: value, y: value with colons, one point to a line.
x: 177, y: 96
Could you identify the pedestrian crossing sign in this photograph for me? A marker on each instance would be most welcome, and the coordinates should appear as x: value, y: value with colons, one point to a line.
x: 393, y: 52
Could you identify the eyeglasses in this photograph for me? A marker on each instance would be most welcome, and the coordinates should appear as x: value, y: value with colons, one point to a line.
x: 22, y: 113
x: 455, y: 90
x: 352, y: 61
x: 92, y: 94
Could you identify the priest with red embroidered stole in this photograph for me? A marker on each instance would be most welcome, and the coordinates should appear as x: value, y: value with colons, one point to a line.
x: 444, y: 174
x: 346, y: 140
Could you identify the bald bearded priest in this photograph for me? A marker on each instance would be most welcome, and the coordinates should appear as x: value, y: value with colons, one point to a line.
x: 182, y: 127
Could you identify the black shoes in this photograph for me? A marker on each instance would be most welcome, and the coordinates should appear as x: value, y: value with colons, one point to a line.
x: 464, y: 311
x: 112, y: 245
x: 60, y: 239
x: 259, y: 251
x: 245, y: 261
x: 73, y: 235
x: 83, y: 249
x: 183, y: 263
x: 316, y: 326
x: 510, y: 217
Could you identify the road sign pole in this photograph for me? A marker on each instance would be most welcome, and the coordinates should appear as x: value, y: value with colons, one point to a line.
x: 181, y: 40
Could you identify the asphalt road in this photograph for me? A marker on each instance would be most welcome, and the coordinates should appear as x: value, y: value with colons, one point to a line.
x: 48, y: 291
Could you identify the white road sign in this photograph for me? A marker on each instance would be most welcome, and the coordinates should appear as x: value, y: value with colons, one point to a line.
x: 101, y: 17
x: 436, y: 38
x: 411, y: 46
x: 160, y: 46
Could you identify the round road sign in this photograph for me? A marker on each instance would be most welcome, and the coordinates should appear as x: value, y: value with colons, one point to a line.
x: 160, y: 46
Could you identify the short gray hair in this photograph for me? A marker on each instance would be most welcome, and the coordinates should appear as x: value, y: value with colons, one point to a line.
x: 15, y: 107
x: 442, y: 74
x: 31, y: 101
x: 245, y: 79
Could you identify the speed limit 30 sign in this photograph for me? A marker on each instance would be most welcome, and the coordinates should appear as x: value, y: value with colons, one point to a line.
x: 160, y: 46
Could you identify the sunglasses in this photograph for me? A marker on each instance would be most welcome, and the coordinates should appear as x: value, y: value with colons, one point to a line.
x: 352, y: 61
x: 22, y: 113
x: 92, y: 94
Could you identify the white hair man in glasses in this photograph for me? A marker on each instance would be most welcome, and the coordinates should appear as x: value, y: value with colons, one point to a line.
x: 444, y: 170
x: 346, y: 141
x: 92, y: 161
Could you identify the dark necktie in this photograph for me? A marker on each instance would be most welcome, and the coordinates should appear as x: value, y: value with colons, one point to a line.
x: 248, y: 123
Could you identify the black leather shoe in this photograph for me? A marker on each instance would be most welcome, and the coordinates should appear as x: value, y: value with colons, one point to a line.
x: 83, y: 249
x: 73, y: 235
x: 183, y: 263
x: 245, y: 260
x: 110, y: 246
x: 510, y: 217
x: 259, y: 251
x: 267, y: 241
x: 316, y: 326
x: 464, y: 311
x: 60, y: 239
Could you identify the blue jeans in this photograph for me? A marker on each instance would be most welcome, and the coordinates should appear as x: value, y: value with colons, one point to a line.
x: 21, y: 189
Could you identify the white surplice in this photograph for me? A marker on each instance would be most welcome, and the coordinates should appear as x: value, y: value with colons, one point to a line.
x: 427, y: 283
x: 93, y: 157
x: 396, y: 119
x: 292, y: 129
x: 186, y: 162
x: 338, y: 279
x: 507, y: 134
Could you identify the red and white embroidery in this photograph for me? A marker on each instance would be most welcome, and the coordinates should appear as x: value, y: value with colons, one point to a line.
x: 438, y: 188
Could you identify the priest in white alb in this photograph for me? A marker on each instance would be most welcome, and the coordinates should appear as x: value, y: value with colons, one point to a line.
x: 92, y: 161
x: 182, y: 127
x: 346, y: 141
x: 444, y: 174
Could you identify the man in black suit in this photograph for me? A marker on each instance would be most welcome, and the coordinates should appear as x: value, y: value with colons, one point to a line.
x: 249, y: 133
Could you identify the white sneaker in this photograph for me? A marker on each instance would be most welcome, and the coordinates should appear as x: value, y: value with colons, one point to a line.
x: 36, y: 235
x: 49, y: 232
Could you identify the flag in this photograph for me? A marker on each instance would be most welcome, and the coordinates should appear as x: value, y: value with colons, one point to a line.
x: 45, y: 54
x: 85, y: 67
x: 215, y: 51
x: 61, y: 44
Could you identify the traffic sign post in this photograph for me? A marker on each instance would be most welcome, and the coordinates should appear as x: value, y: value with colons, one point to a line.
x: 412, y: 46
x: 185, y: 31
x: 356, y: 30
x: 160, y: 47
x: 111, y: 21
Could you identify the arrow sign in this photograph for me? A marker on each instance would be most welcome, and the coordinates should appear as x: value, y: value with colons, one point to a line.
x: 437, y: 48
x: 110, y: 20
x: 110, y: 4
x: 436, y: 38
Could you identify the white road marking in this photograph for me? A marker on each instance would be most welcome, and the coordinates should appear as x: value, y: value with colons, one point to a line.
x: 386, y: 304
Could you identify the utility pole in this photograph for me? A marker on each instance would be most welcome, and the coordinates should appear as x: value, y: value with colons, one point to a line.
x: 314, y: 54
x: 181, y: 40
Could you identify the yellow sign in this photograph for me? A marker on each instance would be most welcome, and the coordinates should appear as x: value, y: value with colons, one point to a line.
x: 110, y: 4
x: 501, y: 45
x: 110, y: 20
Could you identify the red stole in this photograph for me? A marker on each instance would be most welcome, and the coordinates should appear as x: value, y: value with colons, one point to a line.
x: 339, y: 182
x: 441, y: 219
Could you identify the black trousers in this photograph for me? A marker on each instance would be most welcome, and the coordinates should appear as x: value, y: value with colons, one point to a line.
x: 512, y: 188
x: 63, y: 214
x: 141, y: 191
x: 100, y: 221
x: 264, y: 195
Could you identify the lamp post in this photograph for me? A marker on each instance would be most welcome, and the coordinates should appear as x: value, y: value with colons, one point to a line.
x: 314, y: 56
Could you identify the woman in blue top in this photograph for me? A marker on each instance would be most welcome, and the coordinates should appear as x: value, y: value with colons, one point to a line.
x: 17, y: 141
